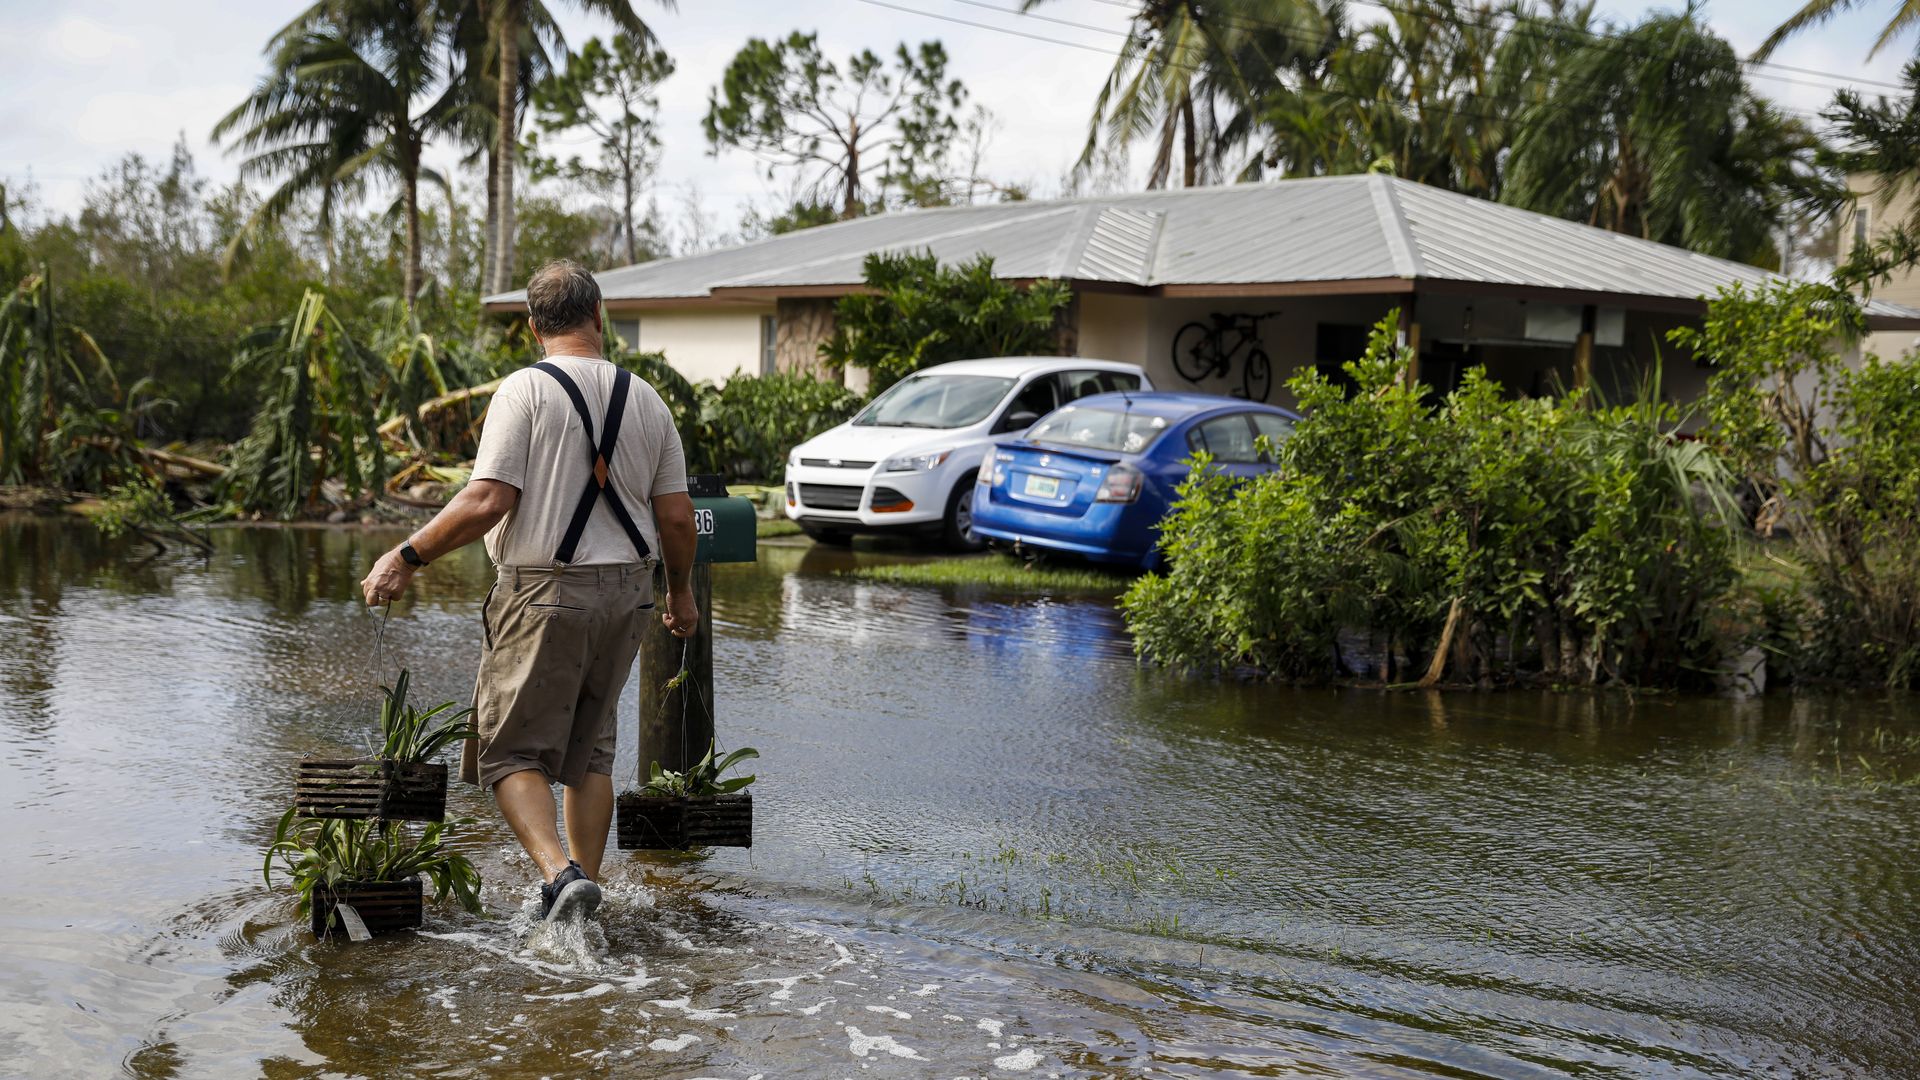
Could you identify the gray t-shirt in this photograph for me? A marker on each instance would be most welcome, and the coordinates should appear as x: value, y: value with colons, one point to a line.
x: 533, y: 440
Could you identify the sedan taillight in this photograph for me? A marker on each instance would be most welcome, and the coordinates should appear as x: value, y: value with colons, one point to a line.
x: 1122, y: 484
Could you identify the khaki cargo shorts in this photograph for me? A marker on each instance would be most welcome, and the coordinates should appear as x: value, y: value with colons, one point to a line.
x: 559, y: 642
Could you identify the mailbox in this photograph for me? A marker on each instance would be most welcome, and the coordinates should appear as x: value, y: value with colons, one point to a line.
x: 725, y: 524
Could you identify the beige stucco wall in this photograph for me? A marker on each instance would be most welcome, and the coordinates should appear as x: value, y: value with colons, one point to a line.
x: 1140, y: 330
x: 703, y: 343
x: 1872, y: 214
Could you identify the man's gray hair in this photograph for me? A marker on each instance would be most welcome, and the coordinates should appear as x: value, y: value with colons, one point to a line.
x: 562, y: 296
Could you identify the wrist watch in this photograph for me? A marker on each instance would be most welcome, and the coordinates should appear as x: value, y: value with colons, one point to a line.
x: 411, y: 557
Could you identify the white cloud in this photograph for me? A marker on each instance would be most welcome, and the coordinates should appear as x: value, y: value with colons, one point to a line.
x: 150, y: 122
x: 85, y: 41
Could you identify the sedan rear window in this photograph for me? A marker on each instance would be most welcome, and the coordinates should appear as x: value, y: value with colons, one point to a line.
x: 1099, y: 429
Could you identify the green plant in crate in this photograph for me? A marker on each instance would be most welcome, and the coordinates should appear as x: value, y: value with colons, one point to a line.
x: 413, y: 737
x: 703, y: 778
x: 333, y: 853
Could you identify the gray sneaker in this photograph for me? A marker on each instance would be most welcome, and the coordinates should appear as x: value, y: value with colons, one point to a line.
x: 571, y: 895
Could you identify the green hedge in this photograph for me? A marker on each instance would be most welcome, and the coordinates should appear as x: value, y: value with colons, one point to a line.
x: 1528, y: 539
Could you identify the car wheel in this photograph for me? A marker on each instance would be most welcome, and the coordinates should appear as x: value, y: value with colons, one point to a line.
x: 959, y: 534
x: 830, y: 537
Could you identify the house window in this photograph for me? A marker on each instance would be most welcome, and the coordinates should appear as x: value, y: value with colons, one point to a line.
x: 769, y: 344
x: 628, y: 331
x: 1859, y: 227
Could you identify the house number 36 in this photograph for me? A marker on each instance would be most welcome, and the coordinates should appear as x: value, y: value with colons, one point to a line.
x: 703, y: 522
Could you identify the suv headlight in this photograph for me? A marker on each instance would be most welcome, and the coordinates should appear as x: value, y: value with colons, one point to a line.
x: 921, y: 462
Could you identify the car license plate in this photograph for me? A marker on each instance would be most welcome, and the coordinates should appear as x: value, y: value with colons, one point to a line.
x: 1046, y: 487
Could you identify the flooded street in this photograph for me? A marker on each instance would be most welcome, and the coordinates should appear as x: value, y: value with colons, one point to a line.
x: 986, y: 843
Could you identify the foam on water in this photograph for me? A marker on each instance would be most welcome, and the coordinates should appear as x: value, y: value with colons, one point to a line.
x: 861, y: 1044
x: 1020, y: 1061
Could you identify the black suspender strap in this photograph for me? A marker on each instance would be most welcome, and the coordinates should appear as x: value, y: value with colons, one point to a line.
x: 599, y: 483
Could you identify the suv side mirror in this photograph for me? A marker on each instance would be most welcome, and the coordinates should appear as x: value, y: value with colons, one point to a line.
x: 1018, y: 420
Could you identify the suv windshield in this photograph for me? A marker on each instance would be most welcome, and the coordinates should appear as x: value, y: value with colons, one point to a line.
x: 1099, y: 429
x: 935, y: 401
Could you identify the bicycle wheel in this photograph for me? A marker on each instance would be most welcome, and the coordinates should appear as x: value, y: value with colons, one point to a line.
x: 1193, y: 352
x: 1258, y: 378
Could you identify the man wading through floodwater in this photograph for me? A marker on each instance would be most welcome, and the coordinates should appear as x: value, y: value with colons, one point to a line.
x: 580, y: 485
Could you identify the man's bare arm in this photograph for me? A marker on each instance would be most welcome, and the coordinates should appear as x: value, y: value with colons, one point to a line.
x: 466, y: 518
x: 673, y: 515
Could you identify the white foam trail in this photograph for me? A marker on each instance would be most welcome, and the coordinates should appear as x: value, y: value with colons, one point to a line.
x: 678, y: 1042
x: 1021, y: 1061
x: 890, y: 1011
x: 685, y: 1005
x: 862, y: 1044
x: 927, y: 989
x: 786, y: 985
x: 991, y: 1027
x: 578, y: 995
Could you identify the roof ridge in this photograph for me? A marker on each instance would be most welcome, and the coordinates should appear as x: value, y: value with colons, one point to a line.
x: 914, y: 244
x: 1073, y: 246
x: 1401, y: 248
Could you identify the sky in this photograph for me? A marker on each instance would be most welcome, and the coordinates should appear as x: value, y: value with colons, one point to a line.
x: 87, y: 81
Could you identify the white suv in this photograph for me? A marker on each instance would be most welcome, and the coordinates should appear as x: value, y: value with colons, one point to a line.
x: 907, y: 462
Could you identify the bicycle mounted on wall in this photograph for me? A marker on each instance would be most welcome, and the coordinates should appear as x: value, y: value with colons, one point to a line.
x: 1202, y: 352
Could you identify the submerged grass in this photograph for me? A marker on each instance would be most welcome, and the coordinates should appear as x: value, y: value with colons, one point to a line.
x: 997, y: 572
x: 766, y: 527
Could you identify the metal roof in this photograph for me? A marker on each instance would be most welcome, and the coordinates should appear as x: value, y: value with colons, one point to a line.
x: 1372, y: 233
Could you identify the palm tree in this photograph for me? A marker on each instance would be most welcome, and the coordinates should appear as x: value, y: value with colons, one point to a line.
x: 1906, y: 15
x: 1429, y: 93
x: 518, y: 27
x: 337, y: 108
x: 1655, y: 133
x: 1180, y: 64
x: 474, y: 123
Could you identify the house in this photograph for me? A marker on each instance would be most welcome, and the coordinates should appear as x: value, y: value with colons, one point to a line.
x: 1874, y: 213
x: 1541, y: 302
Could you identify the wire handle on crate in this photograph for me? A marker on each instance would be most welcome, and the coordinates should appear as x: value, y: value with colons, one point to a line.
x: 684, y: 682
x: 380, y: 638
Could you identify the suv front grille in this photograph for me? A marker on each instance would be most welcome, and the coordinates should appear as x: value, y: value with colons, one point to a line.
x: 886, y: 498
x: 830, y: 496
x: 834, y: 463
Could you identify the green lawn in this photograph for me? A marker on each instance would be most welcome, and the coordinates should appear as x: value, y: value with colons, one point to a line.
x: 780, y: 526
x: 1001, y: 572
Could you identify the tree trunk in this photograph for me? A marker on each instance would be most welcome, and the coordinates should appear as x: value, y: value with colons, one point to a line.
x: 850, y: 203
x: 506, y: 136
x: 1190, y: 174
x: 1163, y: 157
x: 626, y: 205
x: 485, y: 282
x: 456, y: 262
x: 410, y: 283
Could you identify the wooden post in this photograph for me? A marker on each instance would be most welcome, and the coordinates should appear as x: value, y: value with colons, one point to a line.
x: 1583, y: 351
x: 1410, y: 338
x: 662, y: 737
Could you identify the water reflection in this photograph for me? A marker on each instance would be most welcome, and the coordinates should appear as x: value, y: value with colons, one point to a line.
x: 986, y: 842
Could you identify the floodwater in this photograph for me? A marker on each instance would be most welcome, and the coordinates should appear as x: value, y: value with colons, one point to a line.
x: 987, y: 843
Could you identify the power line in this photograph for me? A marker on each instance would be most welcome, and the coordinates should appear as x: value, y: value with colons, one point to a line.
x: 1193, y: 69
x: 1278, y: 29
x: 1515, y: 20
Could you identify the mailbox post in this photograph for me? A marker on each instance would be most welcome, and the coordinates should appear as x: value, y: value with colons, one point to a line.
x: 725, y: 527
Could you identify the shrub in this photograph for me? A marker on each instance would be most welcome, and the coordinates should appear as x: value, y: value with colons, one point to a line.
x: 922, y: 313
x: 746, y: 428
x: 1507, y: 539
x: 1830, y: 449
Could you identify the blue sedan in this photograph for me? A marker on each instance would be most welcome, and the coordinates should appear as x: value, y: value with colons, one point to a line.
x: 1094, y: 478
